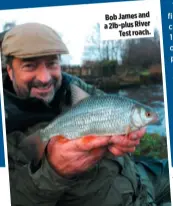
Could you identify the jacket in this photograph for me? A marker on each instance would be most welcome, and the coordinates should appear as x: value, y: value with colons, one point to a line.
x: 111, y: 182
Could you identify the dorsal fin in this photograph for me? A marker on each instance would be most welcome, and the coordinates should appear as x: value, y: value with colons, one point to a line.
x: 77, y: 94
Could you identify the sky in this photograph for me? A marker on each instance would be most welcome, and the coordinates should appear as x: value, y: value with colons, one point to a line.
x: 74, y: 23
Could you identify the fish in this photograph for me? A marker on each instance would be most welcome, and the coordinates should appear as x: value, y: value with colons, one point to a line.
x: 99, y: 115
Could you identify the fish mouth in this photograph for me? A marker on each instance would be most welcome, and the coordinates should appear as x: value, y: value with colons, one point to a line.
x: 156, y: 119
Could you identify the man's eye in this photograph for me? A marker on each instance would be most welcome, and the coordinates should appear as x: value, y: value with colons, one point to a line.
x: 29, y: 66
x: 52, y: 63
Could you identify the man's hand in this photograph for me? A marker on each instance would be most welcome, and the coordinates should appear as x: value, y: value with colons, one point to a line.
x: 120, y: 145
x: 71, y: 157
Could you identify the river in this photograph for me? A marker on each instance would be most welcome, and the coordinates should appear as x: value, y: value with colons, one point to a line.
x: 151, y: 95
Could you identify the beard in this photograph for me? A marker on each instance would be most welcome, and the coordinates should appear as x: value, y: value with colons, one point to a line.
x: 26, y: 91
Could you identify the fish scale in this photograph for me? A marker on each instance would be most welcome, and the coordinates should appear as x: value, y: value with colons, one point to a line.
x: 100, y: 115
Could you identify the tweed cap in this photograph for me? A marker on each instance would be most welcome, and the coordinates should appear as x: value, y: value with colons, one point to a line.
x: 32, y: 40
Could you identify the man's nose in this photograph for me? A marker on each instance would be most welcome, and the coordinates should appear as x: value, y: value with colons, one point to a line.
x: 43, y: 73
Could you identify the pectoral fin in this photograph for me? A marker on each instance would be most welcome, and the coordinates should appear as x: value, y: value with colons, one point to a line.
x: 89, y: 138
x: 127, y: 130
x: 61, y: 139
x: 77, y: 94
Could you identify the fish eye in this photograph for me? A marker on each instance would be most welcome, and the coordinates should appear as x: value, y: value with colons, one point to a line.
x: 148, y: 114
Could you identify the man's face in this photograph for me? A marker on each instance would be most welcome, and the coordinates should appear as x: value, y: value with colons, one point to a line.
x: 36, y: 77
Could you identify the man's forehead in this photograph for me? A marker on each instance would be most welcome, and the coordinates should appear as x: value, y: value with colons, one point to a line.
x: 50, y: 57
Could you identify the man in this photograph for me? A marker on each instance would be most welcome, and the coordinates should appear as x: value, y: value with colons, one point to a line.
x: 65, y: 173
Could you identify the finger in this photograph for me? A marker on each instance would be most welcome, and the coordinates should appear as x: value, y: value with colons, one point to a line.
x: 116, y: 151
x: 97, y: 151
x: 123, y: 141
x: 91, y: 142
x: 137, y: 142
x: 137, y: 134
x: 126, y: 149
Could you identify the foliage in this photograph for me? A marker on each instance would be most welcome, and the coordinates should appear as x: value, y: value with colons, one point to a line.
x: 152, y: 145
x: 132, y: 54
x: 142, y: 52
x: 102, y: 68
x: 145, y: 73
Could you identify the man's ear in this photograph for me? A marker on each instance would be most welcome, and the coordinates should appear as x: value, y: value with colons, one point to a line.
x: 10, y: 72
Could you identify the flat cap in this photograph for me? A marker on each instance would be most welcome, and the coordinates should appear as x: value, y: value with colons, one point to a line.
x: 32, y: 40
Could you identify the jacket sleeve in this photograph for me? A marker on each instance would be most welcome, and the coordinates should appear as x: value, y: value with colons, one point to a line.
x: 32, y: 185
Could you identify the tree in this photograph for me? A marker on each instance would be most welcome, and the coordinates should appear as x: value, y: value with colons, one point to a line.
x: 97, y: 49
x: 142, y: 52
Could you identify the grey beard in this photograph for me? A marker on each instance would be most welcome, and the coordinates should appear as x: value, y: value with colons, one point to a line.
x: 25, y: 93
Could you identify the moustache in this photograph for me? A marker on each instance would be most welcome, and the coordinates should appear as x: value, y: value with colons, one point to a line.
x: 39, y: 84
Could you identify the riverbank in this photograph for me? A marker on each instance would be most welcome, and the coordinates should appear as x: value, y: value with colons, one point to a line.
x: 114, y: 83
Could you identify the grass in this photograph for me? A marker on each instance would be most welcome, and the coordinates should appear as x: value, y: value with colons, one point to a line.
x: 145, y: 73
x: 152, y: 145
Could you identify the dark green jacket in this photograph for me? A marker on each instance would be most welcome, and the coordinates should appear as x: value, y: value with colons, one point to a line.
x: 112, y: 182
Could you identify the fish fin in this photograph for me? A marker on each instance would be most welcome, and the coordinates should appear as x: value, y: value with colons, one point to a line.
x: 33, y: 147
x: 77, y: 94
x: 128, y: 130
x: 88, y: 138
x: 61, y: 139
